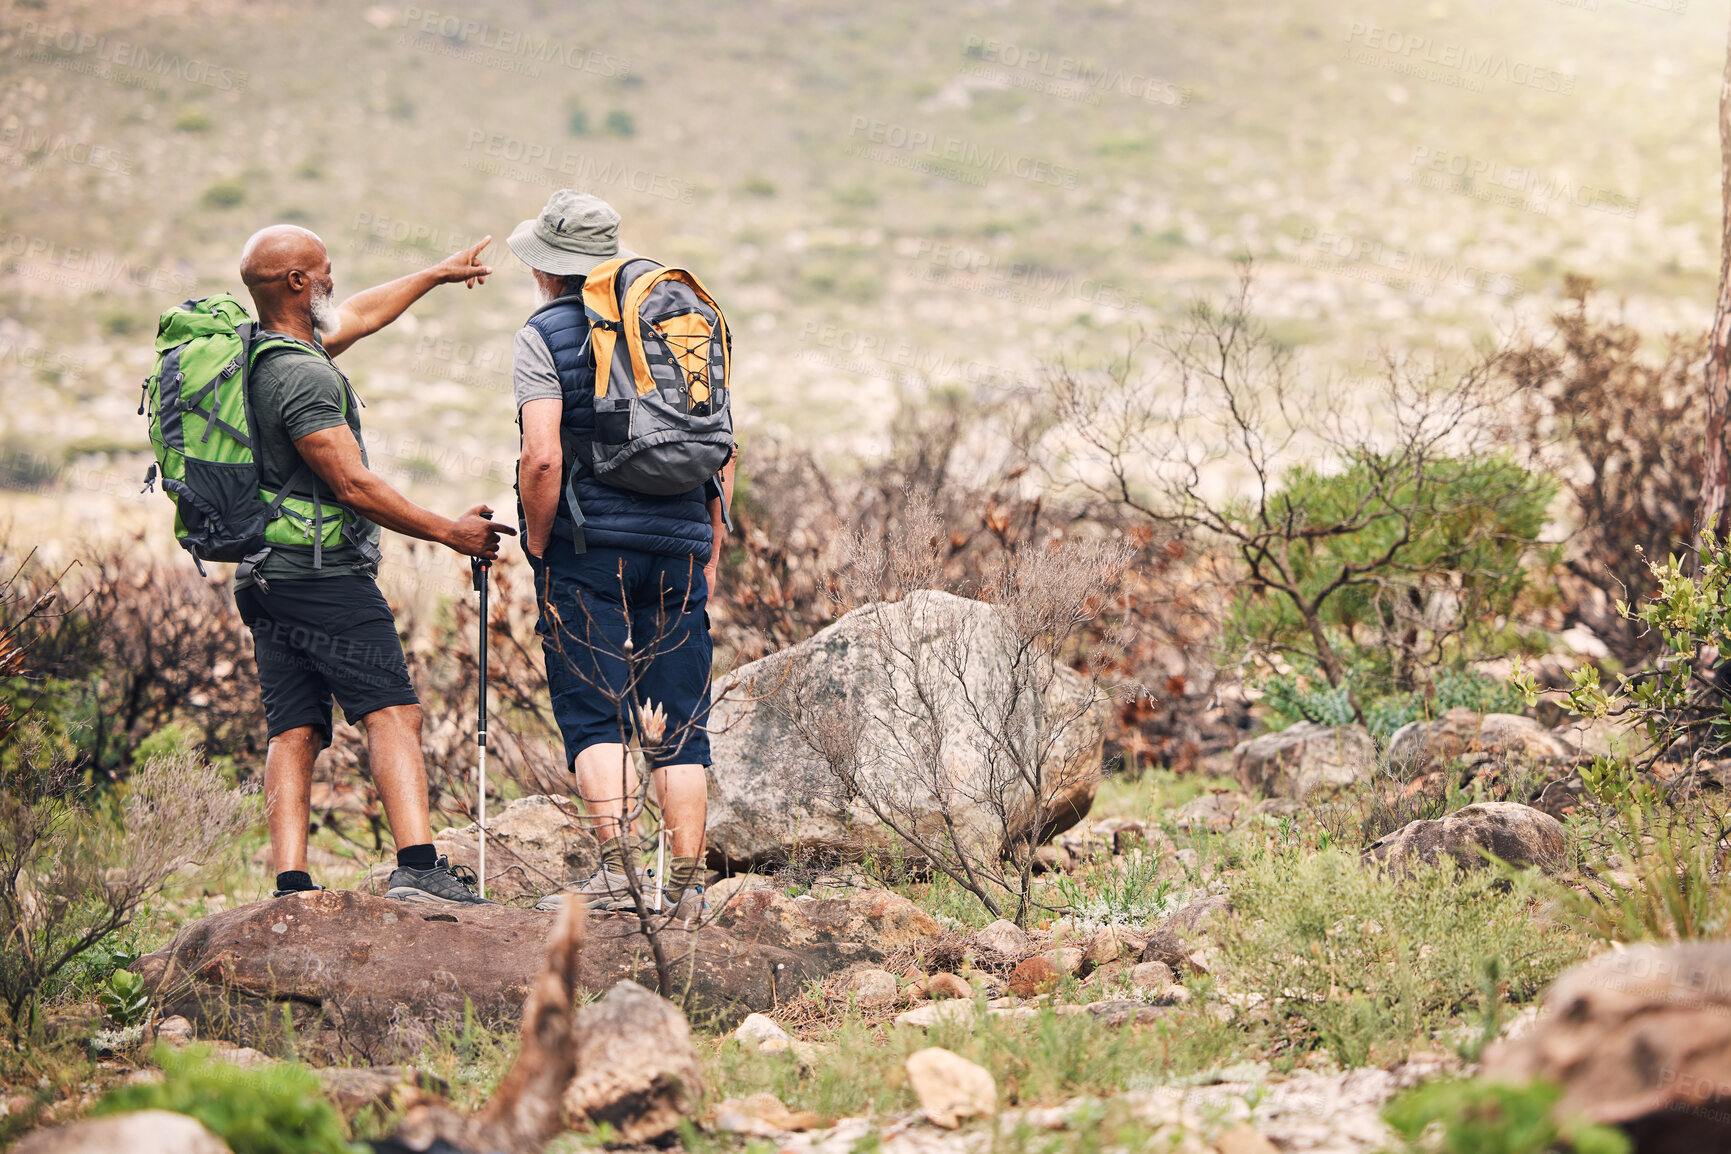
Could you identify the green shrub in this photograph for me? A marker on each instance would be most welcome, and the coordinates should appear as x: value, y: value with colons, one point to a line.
x: 1345, y: 957
x: 1670, y: 854
x: 194, y: 120
x: 1677, y: 701
x: 1290, y: 698
x: 1655, y: 868
x: 621, y: 123
x: 1364, y: 577
x: 1495, y: 1118
x: 276, y: 1108
x: 124, y: 999
x: 224, y: 194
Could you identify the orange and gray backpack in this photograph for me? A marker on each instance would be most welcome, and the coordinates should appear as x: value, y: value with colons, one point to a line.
x: 662, y: 355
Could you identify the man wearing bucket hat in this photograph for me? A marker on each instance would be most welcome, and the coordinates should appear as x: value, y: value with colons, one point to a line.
x: 617, y: 572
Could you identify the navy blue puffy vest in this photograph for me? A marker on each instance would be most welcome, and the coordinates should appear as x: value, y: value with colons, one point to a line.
x: 676, y: 526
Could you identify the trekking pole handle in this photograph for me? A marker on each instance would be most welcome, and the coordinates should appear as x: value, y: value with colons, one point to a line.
x: 478, y: 567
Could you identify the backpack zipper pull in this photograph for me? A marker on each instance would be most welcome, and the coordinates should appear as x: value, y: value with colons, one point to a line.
x: 143, y: 395
x: 150, y: 479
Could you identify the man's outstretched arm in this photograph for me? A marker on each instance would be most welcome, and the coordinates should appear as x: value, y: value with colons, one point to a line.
x: 335, y: 456
x: 372, y: 309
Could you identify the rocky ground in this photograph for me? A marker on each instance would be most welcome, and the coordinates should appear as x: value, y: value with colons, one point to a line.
x: 1149, y: 997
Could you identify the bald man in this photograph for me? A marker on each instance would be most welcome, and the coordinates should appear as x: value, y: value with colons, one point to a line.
x: 321, y: 629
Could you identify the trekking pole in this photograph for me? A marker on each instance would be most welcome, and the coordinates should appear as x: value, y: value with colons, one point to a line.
x: 478, y: 570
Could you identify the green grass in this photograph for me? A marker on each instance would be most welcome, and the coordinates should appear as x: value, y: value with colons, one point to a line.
x: 269, y: 1109
x: 1049, y: 1059
x: 1345, y: 958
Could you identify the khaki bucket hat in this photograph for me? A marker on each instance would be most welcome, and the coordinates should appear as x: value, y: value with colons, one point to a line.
x: 574, y: 233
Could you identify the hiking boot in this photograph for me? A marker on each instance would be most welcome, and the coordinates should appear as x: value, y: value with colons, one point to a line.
x: 286, y: 893
x: 691, y: 906
x: 443, y: 885
x: 683, y: 895
x: 606, y: 889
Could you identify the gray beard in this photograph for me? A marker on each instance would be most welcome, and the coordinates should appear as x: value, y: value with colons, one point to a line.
x: 542, y: 296
x: 327, y: 321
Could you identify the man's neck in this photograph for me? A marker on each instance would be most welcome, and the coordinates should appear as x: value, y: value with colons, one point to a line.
x: 298, y: 327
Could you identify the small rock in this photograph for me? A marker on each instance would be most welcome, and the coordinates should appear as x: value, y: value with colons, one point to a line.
x: 1005, y: 939
x: 1212, y: 812
x: 989, y: 984
x: 931, y: 1014
x: 1244, y: 1140
x: 1151, y: 976
x: 947, y: 985
x: 1303, y: 759
x: 1166, y: 946
x: 1173, y: 996
x: 758, y: 1029
x: 1603, y: 737
x: 1013, y: 1013
x: 1199, y: 914
x: 763, y: 1115
x: 1129, y: 838
x: 873, y: 988
x: 354, y: 1088
x: 1562, y: 797
x: 951, y: 1088
x: 722, y: 891
x: 1035, y: 976
x: 175, y: 1030
x: 1110, y: 944
x: 637, y: 1069
x: 142, y: 1132
x: 1066, y: 959
x: 1122, y: 1012
x: 1108, y: 975
x: 239, y: 1055
x: 1460, y: 732
x: 1518, y: 834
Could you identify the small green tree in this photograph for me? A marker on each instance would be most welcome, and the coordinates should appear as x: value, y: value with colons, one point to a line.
x: 1394, y: 563
x: 1668, y: 843
x: 1682, y: 700
x: 1380, y: 522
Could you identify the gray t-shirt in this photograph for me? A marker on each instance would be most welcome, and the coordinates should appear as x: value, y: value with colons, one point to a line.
x: 533, y: 377
x: 297, y: 392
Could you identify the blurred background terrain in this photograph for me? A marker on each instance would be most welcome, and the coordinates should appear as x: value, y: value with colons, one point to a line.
x: 892, y: 202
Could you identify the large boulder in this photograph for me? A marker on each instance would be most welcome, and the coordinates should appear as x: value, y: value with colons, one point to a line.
x: 1303, y: 759
x: 535, y: 845
x: 926, y: 708
x: 1639, y: 1038
x: 1418, y: 746
x: 368, y: 977
x: 1518, y: 834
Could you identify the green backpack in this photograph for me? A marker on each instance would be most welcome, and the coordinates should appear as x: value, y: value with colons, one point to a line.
x: 201, y: 426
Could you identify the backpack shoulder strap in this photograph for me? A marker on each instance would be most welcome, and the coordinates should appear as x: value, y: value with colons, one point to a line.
x: 276, y: 342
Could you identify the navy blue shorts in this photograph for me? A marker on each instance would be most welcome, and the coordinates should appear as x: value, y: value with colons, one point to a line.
x: 321, y: 638
x: 600, y: 599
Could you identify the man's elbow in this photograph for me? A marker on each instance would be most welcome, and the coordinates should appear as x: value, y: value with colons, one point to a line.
x: 535, y: 466
x: 350, y: 488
